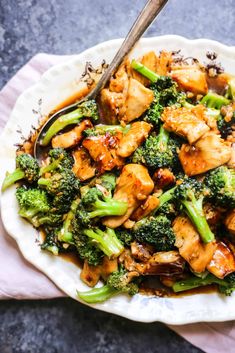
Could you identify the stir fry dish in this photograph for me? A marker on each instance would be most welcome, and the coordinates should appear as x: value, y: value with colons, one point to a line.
x: 140, y: 184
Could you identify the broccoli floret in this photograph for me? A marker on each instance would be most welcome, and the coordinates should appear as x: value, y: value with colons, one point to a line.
x: 121, y: 282
x: 118, y: 282
x: 106, y: 241
x: 26, y: 168
x: 50, y: 218
x: 99, y: 205
x: 85, y: 248
x: 158, y: 151
x: 225, y: 127
x: 63, y: 186
x: 103, y: 129
x: 87, y: 109
x: 33, y: 203
x: 65, y: 234
x: 155, y: 230
x: 108, y: 181
x: 59, y: 158
x: 165, y: 93
x: 138, y: 156
x: 190, y: 194
x: 225, y: 286
x: 229, y: 284
x: 221, y: 186
x: 214, y: 100
x: 125, y: 236
x: 51, y: 242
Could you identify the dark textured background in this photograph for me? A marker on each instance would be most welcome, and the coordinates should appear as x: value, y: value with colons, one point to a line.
x: 63, y: 27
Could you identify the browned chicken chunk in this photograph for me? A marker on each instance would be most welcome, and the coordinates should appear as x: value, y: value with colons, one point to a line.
x: 141, y: 252
x: 83, y: 168
x: 188, y: 241
x: 163, y: 64
x: 138, y: 100
x: 146, y: 208
x: 209, y: 152
x: 108, y: 266
x: 191, y: 78
x: 230, y: 222
x: 90, y: 274
x: 133, y: 138
x: 163, y: 177
x: 164, y: 263
x: 72, y: 137
x: 133, y: 186
x: 98, y: 149
x: 186, y: 122
x: 112, y: 100
x: 222, y: 262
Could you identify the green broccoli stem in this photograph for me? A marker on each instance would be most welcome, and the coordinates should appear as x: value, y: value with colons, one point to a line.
x: 195, y: 213
x: 64, y: 120
x: 164, y: 198
x: 108, y: 207
x: 50, y: 167
x: 64, y: 235
x: 106, y: 241
x: 143, y: 70
x: 194, y: 282
x: 11, y: 178
x: 52, y: 248
x: 112, y: 128
x: 28, y: 213
x: 214, y: 100
x: 163, y: 137
x: 97, y: 295
x: 44, y: 181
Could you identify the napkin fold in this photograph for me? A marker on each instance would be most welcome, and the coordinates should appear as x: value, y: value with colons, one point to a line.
x: 20, y: 280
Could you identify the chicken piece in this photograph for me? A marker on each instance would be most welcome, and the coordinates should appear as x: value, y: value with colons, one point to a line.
x: 108, y: 266
x: 141, y: 252
x: 83, y: 168
x: 186, y: 122
x: 112, y: 100
x: 231, y: 162
x: 197, y: 254
x: 90, y: 275
x: 222, y: 262
x: 164, y: 263
x: 130, y: 263
x: 133, y: 138
x: 213, y: 214
x: 230, y: 222
x: 72, y: 137
x: 146, y: 208
x: 138, y: 100
x: 191, y: 78
x: 218, y: 83
x: 133, y: 186
x: 99, y: 152
x: 163, y: 177
x: 208, y: 153
x: 150, y: 61
x: 113, y: 142
x: 164, y: 63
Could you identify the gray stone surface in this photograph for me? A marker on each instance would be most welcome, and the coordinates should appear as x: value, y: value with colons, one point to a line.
x: 63, y: 27
x: 65, y: 326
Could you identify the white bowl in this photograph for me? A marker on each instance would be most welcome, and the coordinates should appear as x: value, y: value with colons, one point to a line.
x: 57, y: 84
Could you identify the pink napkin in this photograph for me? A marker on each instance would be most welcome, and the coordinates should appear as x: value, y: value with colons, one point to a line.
x: 20, y: 280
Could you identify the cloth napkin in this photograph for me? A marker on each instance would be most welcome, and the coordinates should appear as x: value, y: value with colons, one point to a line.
x: 20, y: 280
